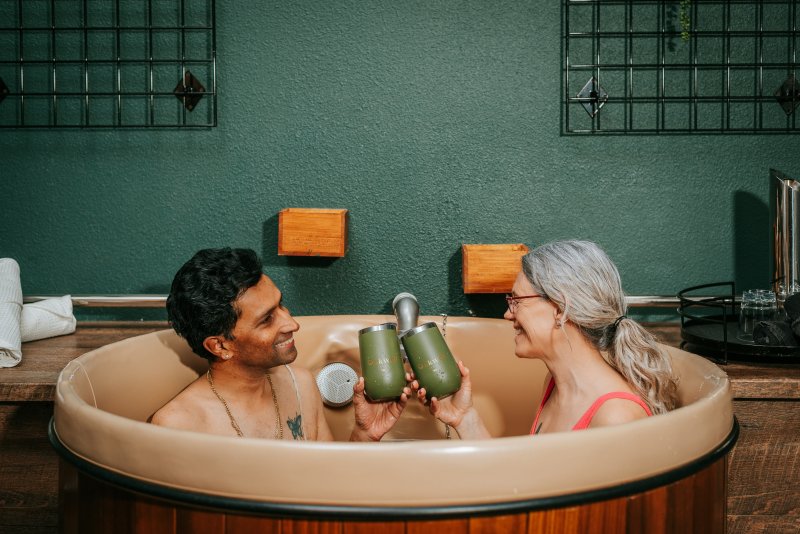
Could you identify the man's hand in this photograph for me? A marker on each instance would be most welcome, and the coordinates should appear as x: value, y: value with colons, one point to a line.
x: 374, y: 419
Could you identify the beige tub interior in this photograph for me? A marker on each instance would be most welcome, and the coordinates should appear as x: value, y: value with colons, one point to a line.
x: 104, y: 397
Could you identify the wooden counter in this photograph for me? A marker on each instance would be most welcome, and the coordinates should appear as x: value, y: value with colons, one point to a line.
x: 763, y: 469
x: 34, y: 379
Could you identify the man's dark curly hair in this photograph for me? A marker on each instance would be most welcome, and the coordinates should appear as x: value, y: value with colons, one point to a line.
x: 201, y: 301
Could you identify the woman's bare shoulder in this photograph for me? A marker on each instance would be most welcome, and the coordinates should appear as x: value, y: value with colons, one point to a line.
x: 617, y: 412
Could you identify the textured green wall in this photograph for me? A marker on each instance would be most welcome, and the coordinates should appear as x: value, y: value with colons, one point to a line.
x: 434, y: 122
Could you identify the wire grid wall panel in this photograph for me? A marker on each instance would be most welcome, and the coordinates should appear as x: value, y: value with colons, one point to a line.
x: 639, y: 67
x: 107, y: 64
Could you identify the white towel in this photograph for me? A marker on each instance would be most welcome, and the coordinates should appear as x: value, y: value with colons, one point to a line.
x: 47, y: 318
x: 10, y: 313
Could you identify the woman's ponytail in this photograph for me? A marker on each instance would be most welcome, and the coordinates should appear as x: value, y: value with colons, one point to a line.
x: 634, y: 353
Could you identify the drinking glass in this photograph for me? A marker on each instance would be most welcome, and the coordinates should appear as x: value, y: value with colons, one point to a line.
x: 783, y: 292
x: 756, y: 305
x: 767, y: 305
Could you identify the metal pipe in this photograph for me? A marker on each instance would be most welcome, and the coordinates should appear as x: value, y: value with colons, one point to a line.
x: 159, y: 301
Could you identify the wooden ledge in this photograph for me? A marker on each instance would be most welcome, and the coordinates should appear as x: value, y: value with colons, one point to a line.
x: 34, y: 379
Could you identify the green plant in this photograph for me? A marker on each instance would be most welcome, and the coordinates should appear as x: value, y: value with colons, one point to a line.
x: 685, y: 19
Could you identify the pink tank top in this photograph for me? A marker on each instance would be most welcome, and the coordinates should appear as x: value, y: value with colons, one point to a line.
x: 586, y: 418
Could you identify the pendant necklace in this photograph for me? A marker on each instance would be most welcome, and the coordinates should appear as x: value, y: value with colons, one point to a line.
x: 234, y: 424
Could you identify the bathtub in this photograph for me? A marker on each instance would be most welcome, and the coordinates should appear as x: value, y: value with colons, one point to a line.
x: 664, y: 473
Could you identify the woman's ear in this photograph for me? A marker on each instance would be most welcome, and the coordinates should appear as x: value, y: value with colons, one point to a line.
x: 558, y: 316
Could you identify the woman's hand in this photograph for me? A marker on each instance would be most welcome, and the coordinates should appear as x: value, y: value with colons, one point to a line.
x: 450, y: 410
x: 374, y: 419
x: 455, y: 410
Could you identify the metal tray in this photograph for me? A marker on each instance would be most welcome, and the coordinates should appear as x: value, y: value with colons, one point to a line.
x: 710, y: 336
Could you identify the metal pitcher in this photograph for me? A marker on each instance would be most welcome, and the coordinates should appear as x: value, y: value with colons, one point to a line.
x: 785, y: 220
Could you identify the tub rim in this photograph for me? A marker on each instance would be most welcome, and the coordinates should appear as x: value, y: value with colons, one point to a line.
x: 115, y: 455
x: 381, y: 512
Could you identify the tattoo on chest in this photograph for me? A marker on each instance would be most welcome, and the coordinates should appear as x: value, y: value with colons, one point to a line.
x: 296, y: 426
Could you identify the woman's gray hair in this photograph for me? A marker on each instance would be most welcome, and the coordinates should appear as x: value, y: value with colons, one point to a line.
x: 580, y: 278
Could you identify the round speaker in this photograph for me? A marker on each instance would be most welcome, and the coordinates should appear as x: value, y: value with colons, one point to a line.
x: 335, y: 382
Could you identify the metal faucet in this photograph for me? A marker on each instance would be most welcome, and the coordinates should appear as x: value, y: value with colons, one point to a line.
x: 406, y: 310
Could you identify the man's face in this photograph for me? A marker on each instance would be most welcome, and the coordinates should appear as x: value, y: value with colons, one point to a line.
x: 263, y: 335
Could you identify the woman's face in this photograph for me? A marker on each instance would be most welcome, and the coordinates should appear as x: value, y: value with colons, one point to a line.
x: 534, y: 320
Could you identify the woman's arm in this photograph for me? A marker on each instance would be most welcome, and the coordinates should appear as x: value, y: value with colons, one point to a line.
x: 457, y: 410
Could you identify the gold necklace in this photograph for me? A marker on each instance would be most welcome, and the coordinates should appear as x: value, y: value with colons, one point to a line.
x: 234, y: 424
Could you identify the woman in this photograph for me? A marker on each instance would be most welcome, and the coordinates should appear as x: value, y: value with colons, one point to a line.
x: 568, y: 310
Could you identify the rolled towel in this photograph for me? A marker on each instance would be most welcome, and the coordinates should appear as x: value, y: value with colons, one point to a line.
x: 10, y: 313
x: 774, y: 333
x: 792, y: 306
x: 47, y: 318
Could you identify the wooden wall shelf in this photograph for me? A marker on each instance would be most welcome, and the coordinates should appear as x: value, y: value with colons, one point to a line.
x: 491, y: 268
x: 312, y: 232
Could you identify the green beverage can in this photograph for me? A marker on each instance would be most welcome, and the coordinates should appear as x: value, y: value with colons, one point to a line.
x: 381, y: 362
x: 434, y: 366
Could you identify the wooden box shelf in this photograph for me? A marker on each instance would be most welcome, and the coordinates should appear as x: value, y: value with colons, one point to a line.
x: 312, y: 232
x: 491, y: 268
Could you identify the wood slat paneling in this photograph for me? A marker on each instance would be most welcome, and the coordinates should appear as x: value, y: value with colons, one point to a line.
x: 504, y: 524
x: 693, y: 504
x: 300, y: 526
x: 199, y: 522
x: 152, y: 517
x: 241, y: 524
x: 102, y: 508
x: 441, y: 526
x: 647, y: 513
x: 361, y: 527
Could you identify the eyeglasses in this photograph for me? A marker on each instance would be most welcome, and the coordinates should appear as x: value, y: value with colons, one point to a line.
x: 513, y: 301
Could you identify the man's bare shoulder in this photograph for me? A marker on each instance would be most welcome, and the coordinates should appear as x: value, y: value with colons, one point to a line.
x: 307, y: 384
x: 187, y: 410
x: 304, y: 377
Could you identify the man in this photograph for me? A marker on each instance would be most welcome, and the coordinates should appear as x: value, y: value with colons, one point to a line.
x: 232, y: 314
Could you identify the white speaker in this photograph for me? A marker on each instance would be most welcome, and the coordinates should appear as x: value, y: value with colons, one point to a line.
x: 335, y: 382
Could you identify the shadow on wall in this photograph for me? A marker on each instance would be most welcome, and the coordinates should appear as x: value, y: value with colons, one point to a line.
x: 488, y: 305
x: 751, y: 234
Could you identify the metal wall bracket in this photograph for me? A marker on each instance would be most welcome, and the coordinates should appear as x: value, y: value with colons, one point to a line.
x: 593, y: 96
x: 788, y: 95
x: 189, y: 91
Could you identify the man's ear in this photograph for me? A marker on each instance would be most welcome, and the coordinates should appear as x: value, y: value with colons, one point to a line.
x: 218, y: 346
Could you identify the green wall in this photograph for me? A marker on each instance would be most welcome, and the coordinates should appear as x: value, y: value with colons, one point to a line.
x: 434, y: 122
